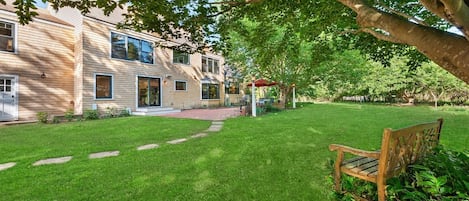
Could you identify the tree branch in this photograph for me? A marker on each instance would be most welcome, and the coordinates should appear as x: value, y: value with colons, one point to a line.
x: 401, y: 13
x: 455, y: 12
x: 381, y: 36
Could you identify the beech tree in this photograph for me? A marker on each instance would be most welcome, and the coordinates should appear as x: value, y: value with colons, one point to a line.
x: 422, y: 24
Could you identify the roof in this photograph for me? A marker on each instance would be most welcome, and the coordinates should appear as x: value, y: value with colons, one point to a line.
x: 43, y: 14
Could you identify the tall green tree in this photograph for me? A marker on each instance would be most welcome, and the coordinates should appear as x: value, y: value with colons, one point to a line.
x: 437, y: 82
x: 280, y: 54
x: 422, y: 24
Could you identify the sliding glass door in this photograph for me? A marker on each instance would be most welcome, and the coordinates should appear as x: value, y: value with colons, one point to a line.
x: 149, y: 92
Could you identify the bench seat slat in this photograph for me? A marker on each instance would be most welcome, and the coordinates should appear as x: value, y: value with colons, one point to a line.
x: 362, y: 165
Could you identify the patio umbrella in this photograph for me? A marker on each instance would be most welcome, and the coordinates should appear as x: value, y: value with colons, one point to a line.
x: 262, y: 83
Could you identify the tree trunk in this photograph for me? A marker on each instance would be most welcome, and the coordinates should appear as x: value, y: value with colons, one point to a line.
x: 435, y: 98
x: 448, y: 50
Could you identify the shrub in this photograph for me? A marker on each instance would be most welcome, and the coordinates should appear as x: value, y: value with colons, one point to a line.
x: 270, y: 108
x: 69, y: 115
x: 90, y: 114
x: 124, y: 113
x: 42, y: 117
x: 55, y: 120
x: 441, y: 176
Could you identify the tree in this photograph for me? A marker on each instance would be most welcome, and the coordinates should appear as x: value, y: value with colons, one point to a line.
x: 394, y: 81
x: 437, y: 82
x: 280, y: 54
x: 419, y: 23
x: 340, y: 76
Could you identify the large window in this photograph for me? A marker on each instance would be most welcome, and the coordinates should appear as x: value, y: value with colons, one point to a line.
x: 129, y: 48
x: 103, y: 86
x: 180, y: 85
x: 232, y: 88
x: 210, y: 91
x: 210, y: 65
x: 181, y: 57
x: 7, y: 37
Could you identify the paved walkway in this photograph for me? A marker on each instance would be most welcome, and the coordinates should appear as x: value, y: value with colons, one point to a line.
x: 215, y: 127
x: 218, y: 114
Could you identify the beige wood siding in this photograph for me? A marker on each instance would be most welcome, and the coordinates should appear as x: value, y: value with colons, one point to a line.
x: 97, y: 59
x: 42, y: 47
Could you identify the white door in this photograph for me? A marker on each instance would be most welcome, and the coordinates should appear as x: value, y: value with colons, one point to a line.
x: 8, y: 98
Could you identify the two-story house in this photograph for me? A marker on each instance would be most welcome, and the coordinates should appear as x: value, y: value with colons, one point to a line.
x: 66, y: 60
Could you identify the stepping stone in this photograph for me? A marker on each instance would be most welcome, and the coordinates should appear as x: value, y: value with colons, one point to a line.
x: 177, y: 141
x: 6, y: 166
x: 103, y: 154
x: 147, y: 147
x: 199, y: 135
x: 215, y: 128
x: 52, y: 161
x: 217, y: 123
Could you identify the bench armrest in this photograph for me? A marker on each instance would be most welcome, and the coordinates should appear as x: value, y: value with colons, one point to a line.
x: 358, y: 152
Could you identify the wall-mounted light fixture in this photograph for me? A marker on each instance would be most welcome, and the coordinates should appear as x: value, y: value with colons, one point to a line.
x: 43, y: 75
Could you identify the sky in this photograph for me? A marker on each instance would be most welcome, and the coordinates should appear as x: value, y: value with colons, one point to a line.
x: 40, y: 4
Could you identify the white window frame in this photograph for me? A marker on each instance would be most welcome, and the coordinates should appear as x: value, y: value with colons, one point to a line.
x: 175, y: 81
x: 188, y: 58
x: 112, y: 85
x: 15, y: 36
x: 209, y: 82
x: 212, y: 69
x: 126, y: 47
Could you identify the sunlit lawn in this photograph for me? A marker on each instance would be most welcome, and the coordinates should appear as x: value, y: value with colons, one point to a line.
x: 282, y: 156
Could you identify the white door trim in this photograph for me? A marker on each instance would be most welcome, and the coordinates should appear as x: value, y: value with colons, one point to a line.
x: 14, y: 90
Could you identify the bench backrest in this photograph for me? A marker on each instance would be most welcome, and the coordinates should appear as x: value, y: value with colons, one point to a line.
x: 404, y: 146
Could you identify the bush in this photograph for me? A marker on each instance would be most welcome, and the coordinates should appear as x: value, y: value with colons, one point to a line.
x: 42, y: 117
x: 90, y: 114
x: 55, y: 120
x: 441, y: 176
x: 112, y: 112
x: 69, y: 115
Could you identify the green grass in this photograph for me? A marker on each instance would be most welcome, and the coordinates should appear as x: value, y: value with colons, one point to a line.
x: 281, y: 156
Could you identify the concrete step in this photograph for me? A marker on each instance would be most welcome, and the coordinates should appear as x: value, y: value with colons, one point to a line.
x: 154, y: 111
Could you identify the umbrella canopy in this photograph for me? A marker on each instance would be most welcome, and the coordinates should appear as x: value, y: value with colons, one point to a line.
x: 262, y: 83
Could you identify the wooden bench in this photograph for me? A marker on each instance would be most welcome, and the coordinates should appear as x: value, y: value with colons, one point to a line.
x: 399, y: 148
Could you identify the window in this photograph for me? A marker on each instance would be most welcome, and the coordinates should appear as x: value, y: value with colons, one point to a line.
x: 7, y: 37
x: 103, y: 86
x: 180, y: 85
x: 181, y: 57
x: 129, y: 48
x: 210, y: 65
x: 210, y: 91
x: 232, y: 88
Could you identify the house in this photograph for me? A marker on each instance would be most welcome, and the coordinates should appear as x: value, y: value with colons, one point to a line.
x: 36, y: 66
x: 102, y: 67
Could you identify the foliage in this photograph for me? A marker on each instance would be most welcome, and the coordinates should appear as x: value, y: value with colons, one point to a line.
x: 390, y: 81
x: 113, y: 112
x: 91, y: 114
x: 69, y: 115
x: 42, y: 117
x: 441, y: 176
x: 339, y: 76
x: 55, y: 120
x: 437, y: 82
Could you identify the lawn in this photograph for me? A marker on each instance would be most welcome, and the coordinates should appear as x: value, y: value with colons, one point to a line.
x: 282, y: 156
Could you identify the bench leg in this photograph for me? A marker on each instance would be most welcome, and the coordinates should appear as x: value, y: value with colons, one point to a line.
x: 381, y: 190
x: 337, y: 173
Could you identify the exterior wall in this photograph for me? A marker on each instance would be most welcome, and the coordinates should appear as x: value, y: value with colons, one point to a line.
x: 97, y: 59
x: 42, y: 47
